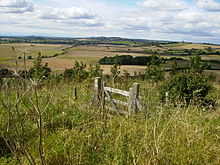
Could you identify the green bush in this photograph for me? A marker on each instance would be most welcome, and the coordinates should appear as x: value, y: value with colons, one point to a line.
x: 78, y: 72
x: 95, y: 70
x: 154, y: 71
x: 175, y: 68
x: 186, y: 88
x: 196, y: 64
x: 190, y: 86
x: 39, y: 70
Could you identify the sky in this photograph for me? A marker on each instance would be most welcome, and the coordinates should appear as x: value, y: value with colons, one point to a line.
x: 173, y: 20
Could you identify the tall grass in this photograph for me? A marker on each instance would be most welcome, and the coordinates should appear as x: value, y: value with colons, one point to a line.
x: 44, y: 124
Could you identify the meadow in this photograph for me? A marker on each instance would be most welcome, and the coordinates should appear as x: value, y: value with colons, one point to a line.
x: 48, y: 125
x: 43, y: 122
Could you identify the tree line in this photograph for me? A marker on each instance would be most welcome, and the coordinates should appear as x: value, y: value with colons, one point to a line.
x: 139, y: 60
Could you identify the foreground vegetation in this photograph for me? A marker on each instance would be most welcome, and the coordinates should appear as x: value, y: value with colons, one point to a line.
x: 47, y: 117
x: 44, y: 120
x: 46, y: 125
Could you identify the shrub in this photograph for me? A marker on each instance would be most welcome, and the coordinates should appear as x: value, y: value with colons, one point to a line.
x: 154, y: 70
x: 115, y: 72
x: 186, y: 88
x: 78, y: 72
x: 196, y: 64
x: 175, y: 68
x: 192, y: 86
x: 39, y: 70
x: 68, y: 73
x: 95, y: 70
x: 22, y: 73
x: 6, y: 73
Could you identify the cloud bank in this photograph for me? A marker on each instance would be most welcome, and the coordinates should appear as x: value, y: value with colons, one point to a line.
x: 196, y: 20
x: 16, y: 6
x: 65, y: 13
x: 170, y: 5
x: 209, y: 5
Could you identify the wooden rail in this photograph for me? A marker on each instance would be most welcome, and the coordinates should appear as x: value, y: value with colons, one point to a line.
x: 118, y: 91
x: 117, y: 101
x: 103, y: 94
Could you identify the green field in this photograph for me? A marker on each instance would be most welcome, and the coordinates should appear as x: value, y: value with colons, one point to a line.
x: 176, y: 44
x: 122, y: 42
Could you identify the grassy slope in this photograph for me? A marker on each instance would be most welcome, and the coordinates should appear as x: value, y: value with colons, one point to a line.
x: 77, y: 133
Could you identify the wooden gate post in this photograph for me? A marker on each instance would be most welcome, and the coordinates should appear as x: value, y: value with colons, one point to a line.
x: 103, y: 95
x: 97, y: 91
x: 133, y: 96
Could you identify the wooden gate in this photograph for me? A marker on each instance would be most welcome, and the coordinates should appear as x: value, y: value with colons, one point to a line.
x: 103, y: 94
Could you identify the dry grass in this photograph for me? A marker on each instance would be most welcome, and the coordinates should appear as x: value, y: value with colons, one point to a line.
x: 130, y: 68
x: 216, y: 72
x: 195, y: 46
x: 32, y: 50
x: 211, y: 57
x: 74, y: 132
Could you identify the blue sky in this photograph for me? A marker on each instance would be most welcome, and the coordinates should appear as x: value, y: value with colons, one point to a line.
x: 179, y: 20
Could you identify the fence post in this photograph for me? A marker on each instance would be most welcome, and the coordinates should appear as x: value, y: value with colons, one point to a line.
x: 130, y: 100
x: 167, y: 98
x: 97, y: 91
x: 133, y: 96
x: 74, y: 93
x: 103, y: 95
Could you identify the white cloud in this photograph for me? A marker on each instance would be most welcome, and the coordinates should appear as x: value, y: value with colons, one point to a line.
x: 16, y: 6
x: 189, y: 25
x: 189, y: 16
x: 193, y: 23
x: 96, y: 22
x: 130, y: 21
x: 209, y: 5
x: 76, y: 16
x: 166, y: 5
x: 165, y: 20
x: 65, y: 13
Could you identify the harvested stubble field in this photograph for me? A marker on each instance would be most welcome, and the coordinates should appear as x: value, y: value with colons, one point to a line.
x: 31, y: 49
x: 90, y: 54
x: 86, y: 54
